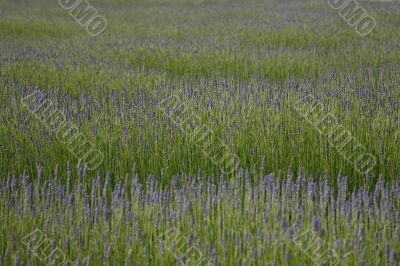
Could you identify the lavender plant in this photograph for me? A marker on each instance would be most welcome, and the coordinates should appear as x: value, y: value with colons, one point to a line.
x: 239, y: 67
x: 248, y: 220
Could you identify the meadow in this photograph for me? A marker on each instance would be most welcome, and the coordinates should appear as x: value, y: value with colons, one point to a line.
x: 240, y: 67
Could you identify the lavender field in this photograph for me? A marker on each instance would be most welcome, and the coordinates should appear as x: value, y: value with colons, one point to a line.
x: 199, y: 132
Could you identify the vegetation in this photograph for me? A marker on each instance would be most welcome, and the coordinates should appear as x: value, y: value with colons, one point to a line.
x: 240, y: 66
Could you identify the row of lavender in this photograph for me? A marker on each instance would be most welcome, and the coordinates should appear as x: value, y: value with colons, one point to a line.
x: 126, y: 124
x: 248, y: 220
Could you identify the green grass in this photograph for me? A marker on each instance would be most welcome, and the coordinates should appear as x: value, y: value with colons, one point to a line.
x: 187, y: 44
x: 239, y: 66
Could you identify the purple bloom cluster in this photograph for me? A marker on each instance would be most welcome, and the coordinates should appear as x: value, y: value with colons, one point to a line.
x: 251, y: 219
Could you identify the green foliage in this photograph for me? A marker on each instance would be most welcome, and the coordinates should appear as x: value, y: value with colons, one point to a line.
x: 239, y: 65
